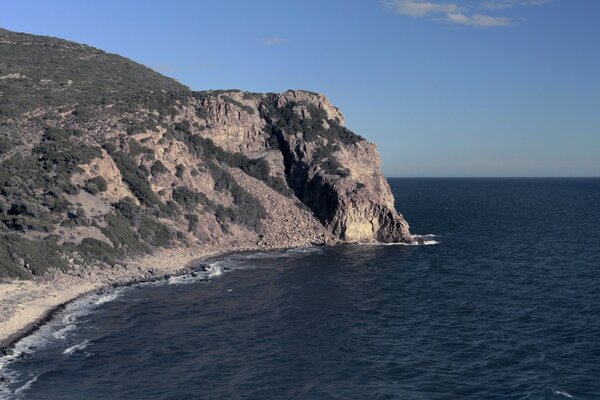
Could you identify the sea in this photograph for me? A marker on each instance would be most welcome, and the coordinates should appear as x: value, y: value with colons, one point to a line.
x: 501, y: 302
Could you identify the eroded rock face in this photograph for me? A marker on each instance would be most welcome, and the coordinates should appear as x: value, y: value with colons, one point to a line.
x: 336, y: 173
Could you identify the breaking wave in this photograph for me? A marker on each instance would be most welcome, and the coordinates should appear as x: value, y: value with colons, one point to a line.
x: 76, y: 347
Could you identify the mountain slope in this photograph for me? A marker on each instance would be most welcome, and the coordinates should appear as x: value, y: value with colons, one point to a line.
x: 102, y: 158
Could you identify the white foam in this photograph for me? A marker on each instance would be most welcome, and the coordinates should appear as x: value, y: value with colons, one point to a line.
x: 76, y: 347
x: 305, y: 250
x: 416, y: 243
x: 56, y: 330
x: 215, y: 270
x: 426, y: 242
x: 106, y: 298
x: 63, y: 332
x: 20, y: 391
x: 259, y: 255
x: 178, y: 280
x: 562, y: 393
x: 187, y: 278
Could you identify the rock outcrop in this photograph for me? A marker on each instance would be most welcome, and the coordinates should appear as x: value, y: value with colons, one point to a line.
x: 102, y: 158
x: 355, y: 202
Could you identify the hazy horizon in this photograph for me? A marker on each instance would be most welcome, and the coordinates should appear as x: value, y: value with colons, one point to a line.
x: 500, y: 88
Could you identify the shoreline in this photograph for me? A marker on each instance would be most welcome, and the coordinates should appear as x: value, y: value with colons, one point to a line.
x: 31, y: 304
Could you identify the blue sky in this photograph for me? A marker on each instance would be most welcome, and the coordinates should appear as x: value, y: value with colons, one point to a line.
x: 445, y: 88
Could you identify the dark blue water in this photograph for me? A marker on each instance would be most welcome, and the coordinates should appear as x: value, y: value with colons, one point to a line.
x: 505, y: 306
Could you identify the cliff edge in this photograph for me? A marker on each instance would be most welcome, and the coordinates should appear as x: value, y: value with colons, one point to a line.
x: 102, y: 158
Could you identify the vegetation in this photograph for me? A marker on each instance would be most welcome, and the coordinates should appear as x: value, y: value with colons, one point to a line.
x: 134, y: 176
x: 155, y: 233
x: 96, y: 185
x: 94, y: 249
x: 205, y: 148
x: 189, y: 199
x: 90, y: 78
x: 22, y: 258
x: 244, y: 107
x: 61, y: 100
x: 158, y: 168
x: 192, y: 222
x: 287, y: 119
x: 122, y: 235
x: 179, y: 170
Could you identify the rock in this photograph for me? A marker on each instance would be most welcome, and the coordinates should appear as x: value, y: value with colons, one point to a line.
x: 305, y: 178
x: 8, y: 352
x: 204, y: 266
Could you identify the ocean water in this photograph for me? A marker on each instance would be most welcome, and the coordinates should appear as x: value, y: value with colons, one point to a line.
x: 503, y: 304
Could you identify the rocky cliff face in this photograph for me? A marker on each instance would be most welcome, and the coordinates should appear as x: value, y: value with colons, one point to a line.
x: 102, y: 158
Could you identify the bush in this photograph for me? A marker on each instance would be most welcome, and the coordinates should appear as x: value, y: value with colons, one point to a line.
x: 5, y: 145
x: 99, y: 182
x: 188, y: 198
x: 92, y: 188
x: 192, y: 222
x: 258, y: 168
x: 244, y: 107
x: 179, y: 170
x: 16, y: 251
x: 92, y: 249
x: 58, y: 152
x: 134, y: 177
x: 128, y: 209
x: 333, y: 167
x: 122, y: 235
x: 158, y: 168
x: 155, y: 233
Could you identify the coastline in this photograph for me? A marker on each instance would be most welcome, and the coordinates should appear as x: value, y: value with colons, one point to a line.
x: 27, y: 305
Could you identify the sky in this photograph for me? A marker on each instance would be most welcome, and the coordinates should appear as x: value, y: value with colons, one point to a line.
x: 454, y: 88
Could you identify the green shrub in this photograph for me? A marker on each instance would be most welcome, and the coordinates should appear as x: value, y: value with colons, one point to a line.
x: 92, y: 188
x: 188, y: 198
x: 333, y: 167
x: 192, y: 222
x: 179, y: 170
x: 205, y: 148
x: 134, y: 177
x: 92, y: 249
x: 5, y: 145
x: 128, y: 209
x: 99, y: 182
x: 158, y: 168
x: 58, y: 152
x: 16, y: 251
x: 244, y: 107
x: 122, y: 235
x: 155, y: 233
x: 169, y: 210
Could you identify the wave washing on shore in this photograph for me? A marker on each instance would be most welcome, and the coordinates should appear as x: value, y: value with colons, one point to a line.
x: 63, y: 326
x: 60, y: 328
x: 497, y: 309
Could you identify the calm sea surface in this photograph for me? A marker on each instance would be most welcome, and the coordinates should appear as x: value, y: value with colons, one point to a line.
x: 506, y: 305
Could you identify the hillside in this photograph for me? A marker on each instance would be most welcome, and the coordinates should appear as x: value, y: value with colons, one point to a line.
x: 102, y: 159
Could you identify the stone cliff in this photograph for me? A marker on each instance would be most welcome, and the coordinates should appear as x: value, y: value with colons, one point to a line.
x: 102, y: 158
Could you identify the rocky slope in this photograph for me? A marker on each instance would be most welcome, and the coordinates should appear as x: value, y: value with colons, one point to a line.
x: 102, y: 158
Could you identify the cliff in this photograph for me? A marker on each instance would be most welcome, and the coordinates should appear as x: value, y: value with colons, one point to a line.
x: 102, y: 158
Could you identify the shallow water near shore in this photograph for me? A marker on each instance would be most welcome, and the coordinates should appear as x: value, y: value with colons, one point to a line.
x: 503, y: 304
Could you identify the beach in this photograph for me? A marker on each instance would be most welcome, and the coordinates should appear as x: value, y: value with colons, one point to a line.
x: 26, y: 304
